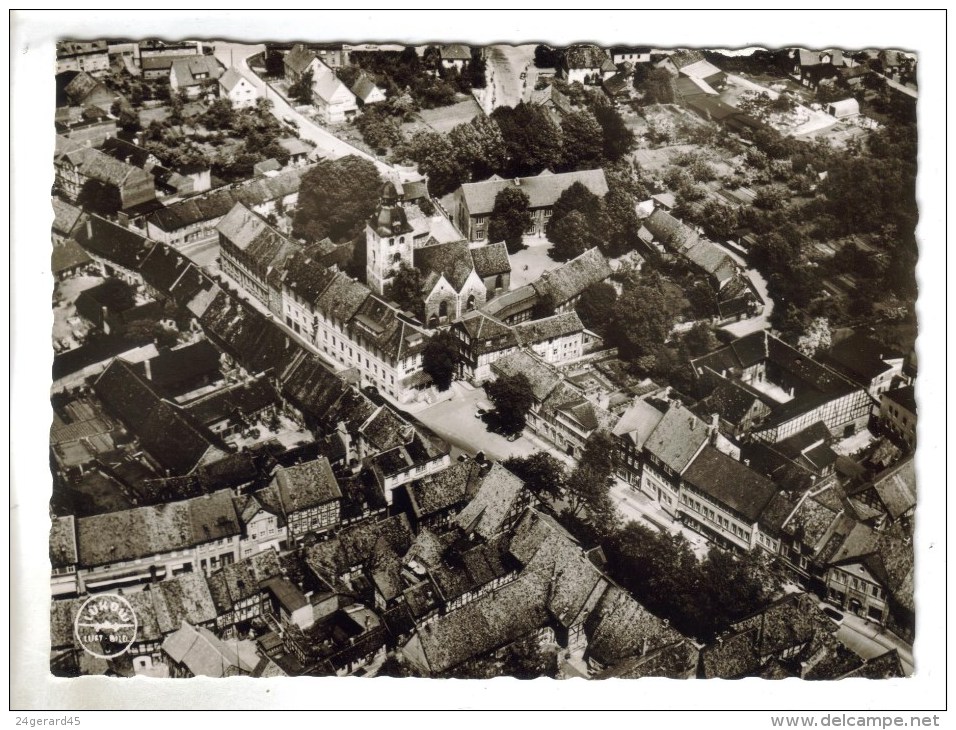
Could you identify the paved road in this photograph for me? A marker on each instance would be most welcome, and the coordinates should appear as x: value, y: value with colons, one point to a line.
x: 327, y: 144
x: 635, y: 505
x: 869, y: 640
x: 505, y: 66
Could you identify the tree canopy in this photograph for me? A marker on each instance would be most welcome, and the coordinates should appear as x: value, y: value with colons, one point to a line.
x: 510, y: 218
x: 440, y: 359
x: 512, y: 398
x: 336, y: 198
x: 543, y: 474
x: 406, y: 287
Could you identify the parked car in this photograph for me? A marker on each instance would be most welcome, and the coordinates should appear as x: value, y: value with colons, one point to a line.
x: 833, y: 614
x: 514, y: 436
x: 483, y: 408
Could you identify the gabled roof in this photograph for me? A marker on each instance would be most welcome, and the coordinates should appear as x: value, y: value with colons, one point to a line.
x: 620, y: 628
x: 205, y: 655
x: 378, y: 324
x: 299, y: 58
x: 487, y: 333
x: 259, y: 241
x: 542, y: 190
x: 455, y: 52
x: 181, y: 364
x: 385, y: 429
x: 451, y: 260
x: 311, y: 386
x: 364, y: 87
x: 487, y: 513
x: 861, y: 357
x: 904, y: 397
x: 63, y: 542
x: 638, y: 422
x: 182, y: 598
x: 231, y: 78
x: 66, y: 217
x: 572, y: 278
x: 327, y: 86
x: 189, y: 71
x: 164, y: 432
x: 242, y: 580
x: 491, y: 260
x: 67, y: 255
x: 585, y: 56
x: 677, y: 438
x: 543, y: 377
x: 444, y: 489
x: 730, y: 483
x: 897, y: 488
x: 307, y: 485
x: 549, y: 328
x: 146, y: 531
x: 358, y: 544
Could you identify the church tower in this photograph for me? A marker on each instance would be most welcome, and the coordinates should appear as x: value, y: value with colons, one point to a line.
x: 389, y: 241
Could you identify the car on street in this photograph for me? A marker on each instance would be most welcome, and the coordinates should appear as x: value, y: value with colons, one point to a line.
x: 513, y: 436
x: 833, y: 614
x: 483, y: 408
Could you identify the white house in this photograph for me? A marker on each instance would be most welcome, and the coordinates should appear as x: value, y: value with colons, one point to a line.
x: 332, y: 99
x: 844, y: 108
x: 238, y: 89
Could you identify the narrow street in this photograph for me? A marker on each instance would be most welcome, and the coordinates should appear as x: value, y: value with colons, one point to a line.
x: 870, y: 640
x: 327, y: 144
x: 754, y: 324
x: 635, y: 505
x: 505, y: 66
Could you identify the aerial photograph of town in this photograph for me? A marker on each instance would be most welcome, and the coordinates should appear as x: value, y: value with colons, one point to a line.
x: 475, y: 361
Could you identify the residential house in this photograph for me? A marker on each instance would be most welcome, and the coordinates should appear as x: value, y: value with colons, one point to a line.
x: 434, y: 500
x: 76, y: 166
x: 456, y: 56
x: 812, y: 67
x: 630, y: 54
x: 892, y: 492
x: 238, y: 590
x: 148, y: 544
x: 80, y: 89
x: 411, y: 460
x: 481, y: 341
x: 471, y: 204
x: 194, y: 220
x: 554, y: 339
x: 197, y: 652
x: 587, y: 64
x: 237, y: 89
x: 844, y: 109
x: 898, y: 414
x: 235, y: 407
x: 87, y: 126
x: 556, y: 104
x: 197, y: 77
x: 673, y: 445
x: 365, y: 90
x: 723, y: 498
x: 299, y: 61
x: 497, y: 506
x: 251, y: 251
x: 631, y: 432
x: 563, y: 287
x: 308, y: 495
x: 798, y: 390
x: 693, y: 64
x: 169, y: 438
x: 86, y: 56
x: 299, y: 152
x: 618, y: 87
x: 332, y: 99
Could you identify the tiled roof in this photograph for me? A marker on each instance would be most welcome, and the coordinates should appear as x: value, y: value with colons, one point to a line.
x: 63, y: 542
x: 620, y: 627
x: 163, y: 267
x: 307, y: 485
x: 189, y: 71
x: 65, y: 217
x: 342, y: 298
x: 182, y: 598
x: 861, y: 357
x: 585, y: 56
x: 487, y: 514
x: 905, y: 397
x: 377, y: 324
x: 731, y: 657
x: 363, y: 86
x: 327, y: 85
x: 540, y: 330
x: 677, y: 438
x: 676, y: 661
x: 444, y: 489
x: 487, y: 333
x: 67, y: 255
x: 164, y: 432
x: 731, y: 401
x: 205, y: 655
x: 455, y: 52
x: 299, y: 58
x: 542, y: 190
x: 451, y: 260
x: 146, y: 531
x: 181, y: 364
x: 638, y: 422
x: 517, y: 300
x: 229, y: 79
x: 897, y: 488
x: 242, y: 580
x: 730, y: 483
x: 543, y: 377
x: 572, y: 278
x: 491, y: 260
x: 385, y: 429
x: 885, y: 666
x: 263, y: 244
x: 358, y: 544
x: 312, y: 386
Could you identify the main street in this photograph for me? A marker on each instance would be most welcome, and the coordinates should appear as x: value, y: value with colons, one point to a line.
x: 327, y: 144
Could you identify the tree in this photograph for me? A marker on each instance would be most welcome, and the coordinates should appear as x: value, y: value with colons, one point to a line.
x: 437, y: 158
x: 583, y: 141
x: 546, y: 56
x: 700, y: 339
x: 145, y: 330
x: 406, y: 287
x: 588, y: 486
x: 621, y: 224
x: 510, y: 218
x: 643, y: 316
x: 274, y: 63
x: 479, y: 147
x: 596, y: 306
x: 512, y: 398
x: 657, y: 87
x: 532, y: 139
x: 301, y: 90
x: 816, y: 339
x: 336, y: 198
x: 100, y: 198
x: 219, y: 115
x: 570, y: 236
x: 543, y: 474
x: 440, y: 358
x: 618, y: 137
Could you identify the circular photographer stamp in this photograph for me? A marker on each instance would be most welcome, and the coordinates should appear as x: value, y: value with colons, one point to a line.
x: 106, y: 625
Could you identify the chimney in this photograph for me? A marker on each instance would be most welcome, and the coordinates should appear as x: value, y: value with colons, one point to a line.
x: 89, y: 228
x: 147, y: 364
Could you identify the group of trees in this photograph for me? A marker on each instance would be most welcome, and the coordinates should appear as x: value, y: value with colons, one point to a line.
x: 701, y: 598
x: 336, y: 198
x: 512, y: 398
x: 510, y: 218
x: 581, y: 220
x: 406, y: 72
x: 301, y: 91
x: 520, y: 141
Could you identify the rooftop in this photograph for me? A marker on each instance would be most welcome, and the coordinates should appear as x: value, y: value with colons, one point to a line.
x: 542, y: 190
